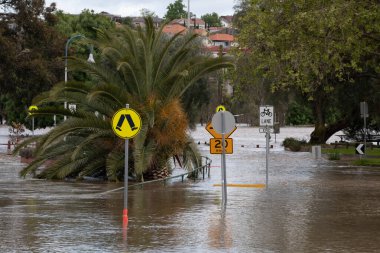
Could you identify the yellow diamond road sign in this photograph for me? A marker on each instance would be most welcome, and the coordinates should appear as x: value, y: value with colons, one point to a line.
x: 215, y: 134
x: 31, y: 109
x: 220, y: 108
x: 126, y: 123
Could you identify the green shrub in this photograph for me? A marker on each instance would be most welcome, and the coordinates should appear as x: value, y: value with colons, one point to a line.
x: 293, y: 144
x: 299, y: 114
x: 334, y: 156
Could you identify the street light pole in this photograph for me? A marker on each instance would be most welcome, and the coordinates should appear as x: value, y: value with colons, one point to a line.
x: 188, y: 14
x: 90, y: 58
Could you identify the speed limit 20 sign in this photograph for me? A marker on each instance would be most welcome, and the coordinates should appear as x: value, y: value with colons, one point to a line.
x: 216, y: 146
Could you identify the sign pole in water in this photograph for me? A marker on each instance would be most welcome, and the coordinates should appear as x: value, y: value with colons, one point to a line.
x: 126, y: 156
x: 364, y: 115
x: 223, y: 122
x: 224, y: 174
x: 266, y: 120
x: 267, y: 156
x: 126, y: 123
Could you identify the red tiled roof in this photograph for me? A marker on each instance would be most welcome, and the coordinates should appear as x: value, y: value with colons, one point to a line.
x: 174, y: 29
x: 221, y: 37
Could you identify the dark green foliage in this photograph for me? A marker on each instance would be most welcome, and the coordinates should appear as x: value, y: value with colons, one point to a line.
x: 293, y: 144
x: 299, y: 114
x: 334, y: 156
x: 211, y: 19
x: 175, y: 10
x: 30, y: 57
x: 328, y: 51
x: 85, y: 23
x: 196, y: 97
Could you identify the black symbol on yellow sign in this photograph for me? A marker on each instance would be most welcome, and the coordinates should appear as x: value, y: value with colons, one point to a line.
x: 130, y: 122
x: 126, y: 123
x: 220, y: 108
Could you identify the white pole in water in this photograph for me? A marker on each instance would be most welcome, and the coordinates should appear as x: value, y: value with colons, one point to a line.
x: 224, y: 174
x: 267, y: 154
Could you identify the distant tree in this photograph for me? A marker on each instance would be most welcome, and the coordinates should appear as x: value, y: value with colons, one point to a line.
x: 212, y: 19
x: 127, y: 21
x: 299, y: 114
x: 147, y: 13
x: 175, y: 10
x: 85, y: 23
x: 31, y: 52
x: 327, y: 50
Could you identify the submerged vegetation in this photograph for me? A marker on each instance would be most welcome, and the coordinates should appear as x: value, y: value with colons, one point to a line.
x: 293, y: 144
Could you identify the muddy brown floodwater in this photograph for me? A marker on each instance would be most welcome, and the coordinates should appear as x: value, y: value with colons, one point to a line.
x: 309, y: 206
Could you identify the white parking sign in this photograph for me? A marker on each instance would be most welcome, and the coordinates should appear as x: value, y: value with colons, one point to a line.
x: 266, y: 115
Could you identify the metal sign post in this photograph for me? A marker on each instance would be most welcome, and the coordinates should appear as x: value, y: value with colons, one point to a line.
x: 126, y: 159
x: 364, y: 115
x: 223, y: 122
x: 126, y: 123
x: 224, y: 174
x: 32, y: 125
x: 266, y: 121
x: 267, y: 135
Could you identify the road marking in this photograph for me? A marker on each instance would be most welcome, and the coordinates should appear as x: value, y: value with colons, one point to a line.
x: 244, y: 185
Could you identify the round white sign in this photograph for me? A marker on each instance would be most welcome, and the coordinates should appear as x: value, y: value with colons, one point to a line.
x: 229, y: 122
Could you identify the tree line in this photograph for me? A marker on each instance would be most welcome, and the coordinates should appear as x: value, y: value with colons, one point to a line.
x: 316, y: 58
x: 314, y: 61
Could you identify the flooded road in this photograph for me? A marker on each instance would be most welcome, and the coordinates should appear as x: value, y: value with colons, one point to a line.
x: 310, y: 206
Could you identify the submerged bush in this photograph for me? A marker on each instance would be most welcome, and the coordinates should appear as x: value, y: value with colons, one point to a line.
x: 334, y: 156
x: 293, y: 144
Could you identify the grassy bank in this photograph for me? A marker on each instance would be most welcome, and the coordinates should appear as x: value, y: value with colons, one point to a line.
x: 367, y: 162
x: 350, y: 151
x: 349, y: 154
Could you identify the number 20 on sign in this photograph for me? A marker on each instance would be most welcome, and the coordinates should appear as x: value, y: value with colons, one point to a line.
x: 216, y: 146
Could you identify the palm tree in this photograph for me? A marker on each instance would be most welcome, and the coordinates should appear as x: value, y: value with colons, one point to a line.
x: 143, y: 68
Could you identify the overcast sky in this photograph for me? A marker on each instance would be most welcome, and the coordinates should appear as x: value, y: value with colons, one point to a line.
x: 133, y: 7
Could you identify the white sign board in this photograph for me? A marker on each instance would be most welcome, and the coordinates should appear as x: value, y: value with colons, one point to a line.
x: 266, y: 115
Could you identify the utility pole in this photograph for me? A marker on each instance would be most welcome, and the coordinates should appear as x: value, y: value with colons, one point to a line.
x: 188, y: 14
